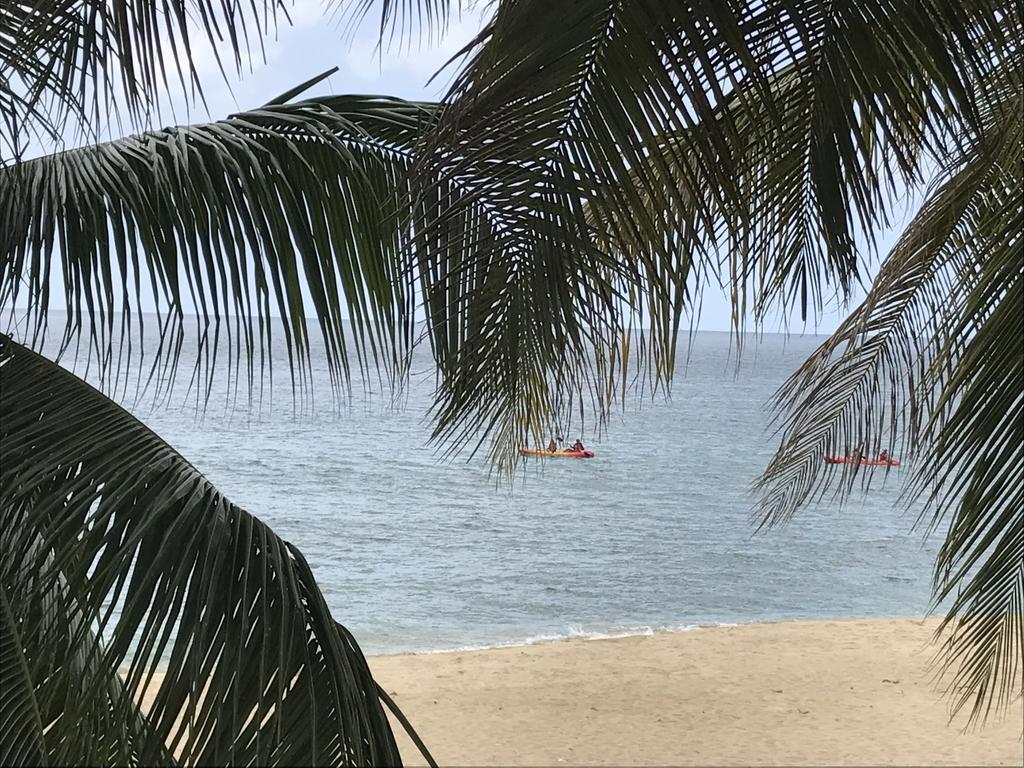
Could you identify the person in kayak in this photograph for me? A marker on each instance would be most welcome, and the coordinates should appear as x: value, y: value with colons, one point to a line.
x: 555, y: 444
x: 883, y: 456
x: 577, y: 447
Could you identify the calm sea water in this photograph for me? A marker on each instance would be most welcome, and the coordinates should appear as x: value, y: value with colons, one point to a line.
x: 417, y: 554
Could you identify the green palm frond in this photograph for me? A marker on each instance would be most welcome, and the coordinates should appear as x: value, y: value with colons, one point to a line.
x: 932, y: 362
x: 634, y: 149
x: 27, y: 83
x: 512, y: 308
x: 87, y: 58
x: 401, y: 21
x: 292, y: 210
x: 23, y: 743
x: 117, y: 556
x: 973, y: 478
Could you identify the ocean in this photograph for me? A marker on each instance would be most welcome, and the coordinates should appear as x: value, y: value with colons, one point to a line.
x: 418, y: 554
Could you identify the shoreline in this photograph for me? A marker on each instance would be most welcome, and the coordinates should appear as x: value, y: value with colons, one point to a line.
x: 630, y: 632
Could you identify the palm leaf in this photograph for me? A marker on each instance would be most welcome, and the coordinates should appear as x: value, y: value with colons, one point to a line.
x: 117, y: 555
x: 290, y: 210
x: 23, y: 743
x: 632, y: 148
x: 931, y: 361
x: 401, y: 20
x: 89, y: 58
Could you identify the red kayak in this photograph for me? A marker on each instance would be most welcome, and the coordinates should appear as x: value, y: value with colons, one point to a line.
x: 863, y: 462
x: 566, y: 454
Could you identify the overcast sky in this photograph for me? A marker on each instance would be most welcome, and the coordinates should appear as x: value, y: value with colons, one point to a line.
x: 318, y: 40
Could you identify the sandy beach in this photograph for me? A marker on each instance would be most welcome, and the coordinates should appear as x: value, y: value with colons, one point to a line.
x: 802, y: 693
x: 792, y: 693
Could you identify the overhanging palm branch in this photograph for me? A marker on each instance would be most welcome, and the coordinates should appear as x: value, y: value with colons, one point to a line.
x: 292, y: 210
x: 782, y: 130
x: 118, y: 556
x: 87, y: 58
x: 512, y: 305
x: 400, y: 20
x: 932, y: 360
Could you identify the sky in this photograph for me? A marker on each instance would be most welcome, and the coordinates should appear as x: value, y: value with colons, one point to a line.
x: 318, y: 40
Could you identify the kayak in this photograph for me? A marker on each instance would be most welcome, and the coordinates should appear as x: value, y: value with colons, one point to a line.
x: 566, y: 454
x: 863, y: 462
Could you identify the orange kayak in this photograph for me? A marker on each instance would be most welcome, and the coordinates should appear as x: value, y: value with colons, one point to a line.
x: 566, y: 454
x: 863, y: 462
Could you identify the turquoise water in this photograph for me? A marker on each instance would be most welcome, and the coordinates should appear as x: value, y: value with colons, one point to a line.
x: 417, y: 554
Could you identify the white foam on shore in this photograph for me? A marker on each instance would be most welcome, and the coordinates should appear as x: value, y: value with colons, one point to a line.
x: 573, y: 633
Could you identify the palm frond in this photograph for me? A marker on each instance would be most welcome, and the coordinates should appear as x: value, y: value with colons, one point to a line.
x: 932, y: 362
x: 506, y: 297
x: 402, y: 21
x: 755, y: 144
x: 88, y: 58
x: 291, y: 210
x: 119, y: 557
x: 23, y: 742
x: 975, y: 480
x: 632, y: 148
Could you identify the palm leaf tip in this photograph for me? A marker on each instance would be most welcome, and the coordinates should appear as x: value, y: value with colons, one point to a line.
x: 92, y: 60
x: 270, y: 226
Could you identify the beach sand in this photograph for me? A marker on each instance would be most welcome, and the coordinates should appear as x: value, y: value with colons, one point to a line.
x: 791, y: 693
